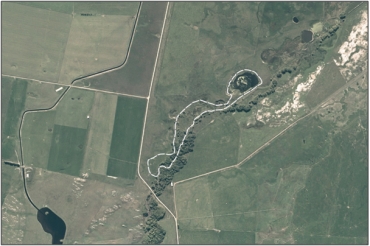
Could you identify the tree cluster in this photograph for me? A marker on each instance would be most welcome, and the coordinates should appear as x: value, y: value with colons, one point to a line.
x: 154, y: 233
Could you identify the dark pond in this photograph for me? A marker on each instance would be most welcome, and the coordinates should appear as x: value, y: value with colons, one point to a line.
x: 295, y: 19
x: 306, y: 36
x: 52, y: 224
x: 245, y: 81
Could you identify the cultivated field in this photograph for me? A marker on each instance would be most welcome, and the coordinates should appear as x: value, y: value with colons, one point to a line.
x: 98, y: 143
x: 126, y: 137
x: 87, y: 132
x: 96, y: 43
x: 102, y: 8
x: 135, y: 77
x: 18, y: 95
x: 33, y: 41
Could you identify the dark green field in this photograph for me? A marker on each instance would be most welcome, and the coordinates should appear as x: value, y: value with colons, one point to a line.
x: 67, y: 150
x: 11, y: 121
x: 121, y: 169
x: 135, y: 77
x: 127, y: 130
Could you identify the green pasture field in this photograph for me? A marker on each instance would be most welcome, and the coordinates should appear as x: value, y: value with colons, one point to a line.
x: 135, y: 77
x: 198, y: 237
x: 33, y: 41
x: 169, y: 225
x: 127, y: 130
x: 335, y: 200
x: 101, y: 123
x: 193, y: 199
x: 214, y: 237
x: 327, y: 83
x: 37, y: 136
x: 118, y: 168
x: 96, y: 43
x: 73, y: 109
x: 223, y: 188
x: 106, y: 8
x: 67, y: 150
x: 216, y: 146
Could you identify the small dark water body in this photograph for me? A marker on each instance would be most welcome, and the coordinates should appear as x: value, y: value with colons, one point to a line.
x: 307, y: 36
x: 52, y: 224
x: 295, y: 19
x: 244, y: 81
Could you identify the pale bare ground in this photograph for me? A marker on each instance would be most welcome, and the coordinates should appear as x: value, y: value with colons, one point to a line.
x: 95, y: 43
x: 101, y: 118
x: 33, y: 41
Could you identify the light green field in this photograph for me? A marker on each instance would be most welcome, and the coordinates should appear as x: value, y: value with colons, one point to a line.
x: 67, y: 150
x: 34, y: 41
x: 223, y: 188
x: 100, y: 133
x: 107, y: 8
x: 37, y: 134
x: 42, y: 95
x: 127, y: 130
x: 193, y: 199
x: 73, y: 109
x: 95, y: 43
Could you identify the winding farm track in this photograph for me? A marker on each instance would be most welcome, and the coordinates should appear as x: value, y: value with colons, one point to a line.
x: 63, y: 94
x: 226, y: 106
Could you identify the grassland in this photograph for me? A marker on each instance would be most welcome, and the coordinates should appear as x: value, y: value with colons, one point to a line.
x: 19, y: 221
x: 330, y: 81
x: 93, y: 210
x: 218, y: 145
x: 300, y: 189
x: 135, y: 77
x: 126, y: 136
x: 34, y: 41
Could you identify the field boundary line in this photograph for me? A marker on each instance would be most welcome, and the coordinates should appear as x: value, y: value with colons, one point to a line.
x: 221, y: 215
x: 74, y: 86
x: 347, y: 84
